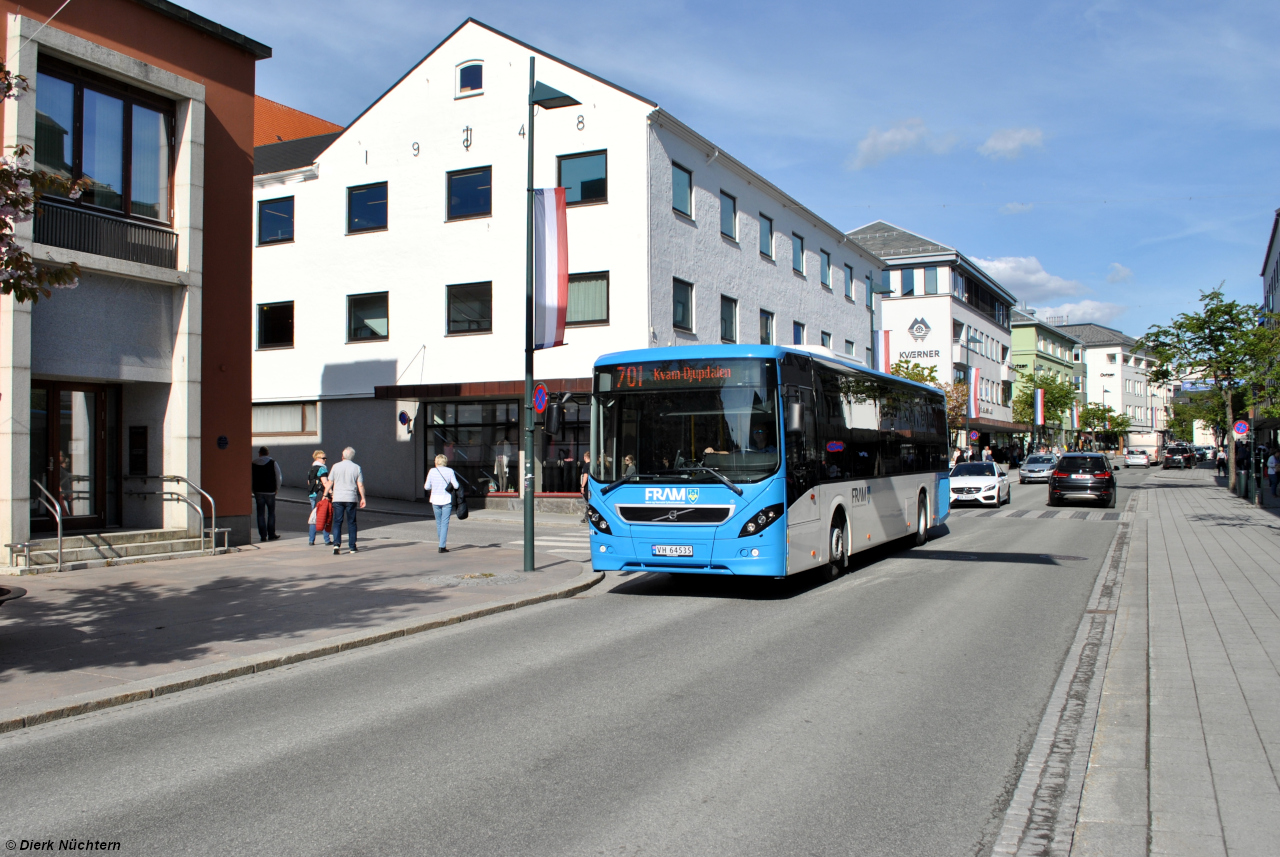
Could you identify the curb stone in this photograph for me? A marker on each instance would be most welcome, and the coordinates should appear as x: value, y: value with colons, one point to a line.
x: 46, y: 712
x: 1042, y: 813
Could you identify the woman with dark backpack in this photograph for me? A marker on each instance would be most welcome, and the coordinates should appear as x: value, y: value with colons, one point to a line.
x: 318, y: 488
x: 442, y: 482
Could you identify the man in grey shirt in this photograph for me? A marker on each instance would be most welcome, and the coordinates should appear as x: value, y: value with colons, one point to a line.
x: 348, y: 495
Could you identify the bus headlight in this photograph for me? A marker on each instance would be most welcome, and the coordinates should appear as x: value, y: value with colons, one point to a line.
x: 759, y: 520
x: 597, y: 520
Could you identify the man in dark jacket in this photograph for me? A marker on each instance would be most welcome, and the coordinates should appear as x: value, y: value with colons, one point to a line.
x: 266, y: 482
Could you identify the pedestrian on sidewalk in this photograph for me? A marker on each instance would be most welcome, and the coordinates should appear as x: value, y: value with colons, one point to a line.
x: 318, y: 485
x: 440, y: 479
x: 346, y: 481
x: 1272, y: 475
x: 267, y: 479
x: 582, y: 484
x: 1222, y: 462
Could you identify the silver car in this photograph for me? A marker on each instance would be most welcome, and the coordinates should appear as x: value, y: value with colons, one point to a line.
x: 1037, y: 468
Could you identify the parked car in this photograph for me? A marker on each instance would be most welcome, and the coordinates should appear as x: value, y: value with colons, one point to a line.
x: 1136, y: 457
x: 1083, y: 476
x: 1037, y: 468
x: 1179, y: 455
x: 982, y: 482
x: 1203, y: 452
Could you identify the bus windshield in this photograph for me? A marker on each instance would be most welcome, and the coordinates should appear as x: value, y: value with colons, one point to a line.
x: 679, y: 419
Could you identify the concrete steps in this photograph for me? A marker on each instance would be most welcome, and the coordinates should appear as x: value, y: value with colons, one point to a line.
x: 97, y: 550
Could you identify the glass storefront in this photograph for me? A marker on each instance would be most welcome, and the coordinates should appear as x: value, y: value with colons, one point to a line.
x: 482, y: 441
x: 75, y: 454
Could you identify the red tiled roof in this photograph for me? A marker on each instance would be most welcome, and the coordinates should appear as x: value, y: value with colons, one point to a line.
x: 274, y: 123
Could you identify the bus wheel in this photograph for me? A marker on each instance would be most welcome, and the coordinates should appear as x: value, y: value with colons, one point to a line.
x: 836, y: 543
x: 922, y: 520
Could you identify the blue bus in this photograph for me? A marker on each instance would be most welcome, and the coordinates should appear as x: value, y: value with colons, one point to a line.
x: 758, y: 460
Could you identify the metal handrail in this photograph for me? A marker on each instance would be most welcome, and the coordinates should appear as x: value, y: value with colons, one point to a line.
x: 213, y: 508
x: 52, y: 505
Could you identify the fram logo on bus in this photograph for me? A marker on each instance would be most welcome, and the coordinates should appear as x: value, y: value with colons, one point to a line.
x: 671, y: 495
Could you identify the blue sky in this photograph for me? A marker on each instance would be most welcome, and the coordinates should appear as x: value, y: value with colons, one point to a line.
x: 1113, y: 158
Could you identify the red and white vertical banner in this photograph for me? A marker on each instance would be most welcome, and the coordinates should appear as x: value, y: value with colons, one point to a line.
x: 885, y: 359
x: 550, y: 267
x: 1039, y: 406
x: 974, y: 374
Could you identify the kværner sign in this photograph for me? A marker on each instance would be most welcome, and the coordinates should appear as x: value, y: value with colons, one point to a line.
x: 912, y: 355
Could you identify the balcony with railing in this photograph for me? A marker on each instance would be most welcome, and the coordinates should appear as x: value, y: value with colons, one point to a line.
x: 74, y: 228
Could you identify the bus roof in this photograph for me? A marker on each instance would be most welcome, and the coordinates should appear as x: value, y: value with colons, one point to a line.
x: 723, y: 350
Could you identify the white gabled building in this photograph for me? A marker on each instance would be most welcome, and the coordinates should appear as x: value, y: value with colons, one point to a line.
x: 389, y: 265
x: 940, y: 309
x: 1117, y: 376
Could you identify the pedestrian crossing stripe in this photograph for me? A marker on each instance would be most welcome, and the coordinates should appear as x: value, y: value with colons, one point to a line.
x: 1064, y: 513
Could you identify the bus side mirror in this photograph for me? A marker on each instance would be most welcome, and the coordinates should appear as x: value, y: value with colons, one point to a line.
x: 795, y: 416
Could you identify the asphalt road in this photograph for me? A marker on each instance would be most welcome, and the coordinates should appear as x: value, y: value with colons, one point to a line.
x: 887, y: 713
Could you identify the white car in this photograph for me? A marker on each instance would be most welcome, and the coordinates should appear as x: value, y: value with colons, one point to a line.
x: 1136, y: 457
x: 982, y: 482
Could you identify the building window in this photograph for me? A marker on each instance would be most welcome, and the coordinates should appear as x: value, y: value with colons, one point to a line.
x: 766, y: 236
x: 471, y: 193
x: 930, y: 281
x: 470, y: 307
x: 885, y: 287
x: 367, y: 208
x: 797, y: 253
x: 275, y: 220
x: 957, y: 330
x: 1111, y: 358
x: 470, y: 78
x: 728, y: 319
x: 797, y: 333
x: 275, y: 325
x: 826, y: 339
x: 908, y: 281
x: 293, y: 418
x: 1004, y: 354
x: 1006, y: 393
x: 766, y: 327
x: 115, y: 136
x: 824, y: 268
x: 681, y: 190
x: 848, y: 281
x: 957, y: 284
x: 728, y: 216
x: 848, y: 347
x: 588, y: 299
x: 682, y: 305
x: 585, y: 178
x: 367, y: 319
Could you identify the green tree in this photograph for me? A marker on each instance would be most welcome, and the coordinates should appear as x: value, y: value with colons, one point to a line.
x: 1096, y: 418
x: 957, y: 407
x: 1222, y: 346
x: 1058, y: 396
x: 912, y: 371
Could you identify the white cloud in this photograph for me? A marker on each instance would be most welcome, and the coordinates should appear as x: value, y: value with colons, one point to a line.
x: 1119, y: 273
x: 1083, y: 311
x: 1008, y: 143
x: 1016, y: 207
x: 903, y: 137
x: 1027, y: 279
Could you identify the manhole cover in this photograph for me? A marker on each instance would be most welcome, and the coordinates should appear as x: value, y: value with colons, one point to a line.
x: 478, y: 579
x: 1063, y: 557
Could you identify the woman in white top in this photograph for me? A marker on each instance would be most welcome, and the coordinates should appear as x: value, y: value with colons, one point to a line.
x: 439, y: 479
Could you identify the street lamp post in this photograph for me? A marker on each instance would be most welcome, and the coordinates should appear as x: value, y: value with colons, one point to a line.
x: 548, y: 98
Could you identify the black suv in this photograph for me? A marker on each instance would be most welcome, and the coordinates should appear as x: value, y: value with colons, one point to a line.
x: 1083, y: 476
x: 1178, y: 455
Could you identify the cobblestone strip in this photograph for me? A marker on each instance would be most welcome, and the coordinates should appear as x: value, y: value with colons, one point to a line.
x: 1041, y: 816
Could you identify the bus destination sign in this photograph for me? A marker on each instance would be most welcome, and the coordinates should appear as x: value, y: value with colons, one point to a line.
x: 676, y: 374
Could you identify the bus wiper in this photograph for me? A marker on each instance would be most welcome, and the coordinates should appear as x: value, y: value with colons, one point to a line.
x: 716, y: 473
x: 636, y: 476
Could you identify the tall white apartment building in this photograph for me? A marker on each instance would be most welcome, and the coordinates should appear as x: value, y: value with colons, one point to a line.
x: 389, y: 266
x: 1116, y: 375
x: 940, y: 309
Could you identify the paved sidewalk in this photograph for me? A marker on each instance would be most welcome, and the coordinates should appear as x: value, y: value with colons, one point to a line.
x: 1186, y: 752
x: 423, y: 510
x: 81, y: 640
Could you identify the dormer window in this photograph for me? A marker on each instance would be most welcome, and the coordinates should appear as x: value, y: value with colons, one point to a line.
x: 470, y: 78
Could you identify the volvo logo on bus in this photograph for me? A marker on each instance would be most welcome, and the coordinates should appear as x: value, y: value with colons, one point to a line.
x: 671, y: 495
